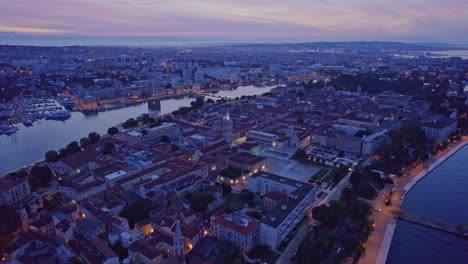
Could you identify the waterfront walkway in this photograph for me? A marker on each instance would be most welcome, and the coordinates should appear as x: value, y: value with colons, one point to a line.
x: 379, y: 241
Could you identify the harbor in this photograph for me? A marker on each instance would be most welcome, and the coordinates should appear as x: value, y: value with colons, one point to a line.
x: 31, y: 143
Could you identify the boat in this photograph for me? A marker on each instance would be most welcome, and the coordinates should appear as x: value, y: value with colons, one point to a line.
x: 59, y: 115
x: 68, y: 103
x: 89, y: 112
x: 10, y: 131
x: 27, y: 122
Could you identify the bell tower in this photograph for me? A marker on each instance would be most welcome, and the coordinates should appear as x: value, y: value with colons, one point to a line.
x: 227, y: 128
x: 178, y: 242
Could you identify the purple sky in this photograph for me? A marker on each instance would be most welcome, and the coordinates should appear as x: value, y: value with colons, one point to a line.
x: 304, y: 20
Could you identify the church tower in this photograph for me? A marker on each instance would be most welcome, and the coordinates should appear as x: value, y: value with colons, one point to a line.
x: 293, y: 140
x: 178, y: 242
x: 227, y: 128
x: 23, y: 215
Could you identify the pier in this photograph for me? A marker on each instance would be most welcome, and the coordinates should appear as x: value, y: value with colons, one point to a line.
x: 456, y: 229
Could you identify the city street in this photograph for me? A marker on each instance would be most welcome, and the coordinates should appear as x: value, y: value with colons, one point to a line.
x: 289, y: 251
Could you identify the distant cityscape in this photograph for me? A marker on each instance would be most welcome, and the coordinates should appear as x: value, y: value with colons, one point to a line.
x: 314, y: 169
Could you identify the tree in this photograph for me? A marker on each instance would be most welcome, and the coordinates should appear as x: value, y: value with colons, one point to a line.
x: 113, y: 131
x: 9, y: 223
x: 347, y: 195
x: 317, y: 250
x: 108, y: 148
x: 365, y: 189
x: 144, y: 132
x: 248, y: 197
x: 63, y: 152
x: 73, y: 147
x: 165, y: 139
x: 130, y: 123
x: 52, y: 156
x: 147, y: 119
x: 331, y: 216
x: 94, y: 137
x: 136, y: 212
x: 226, y: 188
x: 356, y: 177
x: 300, y: 154
x: 84, y: 142
x: 200, y: 201
x: 21, y: 173
x: 40, y: 177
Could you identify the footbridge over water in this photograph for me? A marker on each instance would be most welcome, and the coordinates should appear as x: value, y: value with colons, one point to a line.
x: 456, y: 229
x: 217, y: 96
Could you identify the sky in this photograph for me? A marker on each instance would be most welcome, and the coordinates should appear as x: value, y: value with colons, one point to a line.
x: 44, y: 21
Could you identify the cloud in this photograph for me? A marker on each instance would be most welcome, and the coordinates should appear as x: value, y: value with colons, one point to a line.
x: 30, y: 30
x: 317, y: 19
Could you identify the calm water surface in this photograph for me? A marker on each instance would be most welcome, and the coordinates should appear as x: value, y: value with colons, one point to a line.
x: 442, y: 194
x: 452, y: 53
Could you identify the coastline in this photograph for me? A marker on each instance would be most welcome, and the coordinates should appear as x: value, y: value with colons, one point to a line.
x: 386, y: 242
x: 388, y: 237
x: 431, y: 167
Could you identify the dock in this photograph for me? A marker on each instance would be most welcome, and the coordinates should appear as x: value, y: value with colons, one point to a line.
x: 456, y: 229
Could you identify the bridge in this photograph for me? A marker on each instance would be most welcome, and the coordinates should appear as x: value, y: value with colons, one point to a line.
x: 216, y: 95
x: 456, y: 229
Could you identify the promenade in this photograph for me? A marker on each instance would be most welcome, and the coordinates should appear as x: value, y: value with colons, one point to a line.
x: 379, y: 241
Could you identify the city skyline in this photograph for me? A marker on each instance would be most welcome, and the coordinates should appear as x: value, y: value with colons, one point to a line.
x: 121, y: 21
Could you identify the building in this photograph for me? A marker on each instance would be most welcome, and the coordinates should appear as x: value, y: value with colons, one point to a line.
x: 94, y: 251
x: 90, y: 229
x: 372, y: 143
x: 35, y: 247
x: 203, y: 252
x: 179, y: 244
x: 129, y: 237
x: 247, y: 162
x: 13, y: 190
x: 78, y: 192
x: 114, y: 177
x: 77, y: 163
x: 145, y: 253
x: 262, y: 138
x: 241, y: 230
x: 439, y: 129
x: 283, y: 214
x: 361, y: 120
x: 170, y: 130
x: 227, y: 129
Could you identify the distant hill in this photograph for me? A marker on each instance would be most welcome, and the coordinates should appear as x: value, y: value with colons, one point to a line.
x: 440, y: 45
x: 370, y: 46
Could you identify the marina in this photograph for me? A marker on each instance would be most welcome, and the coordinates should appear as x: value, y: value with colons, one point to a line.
x: 31, y: 143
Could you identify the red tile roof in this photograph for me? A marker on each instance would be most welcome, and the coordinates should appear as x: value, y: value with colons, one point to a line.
x: 81, y: 158
x: 247, y: 230
x: 276, y: 195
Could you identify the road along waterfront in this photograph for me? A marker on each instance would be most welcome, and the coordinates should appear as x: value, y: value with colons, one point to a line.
x: 378, y: 243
